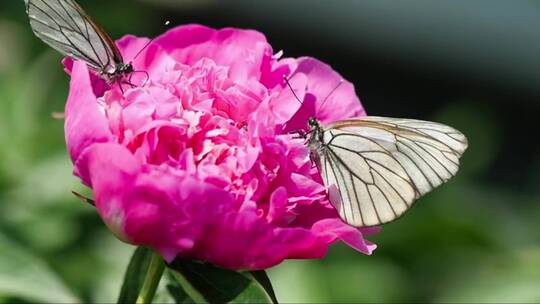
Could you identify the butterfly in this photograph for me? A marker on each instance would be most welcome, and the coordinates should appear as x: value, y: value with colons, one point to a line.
x: 64, y: 26
x: 375, y: 167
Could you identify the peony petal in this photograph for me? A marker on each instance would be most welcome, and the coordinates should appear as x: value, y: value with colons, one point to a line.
x: 302, y: 185
x: 278, y: 204
x: 85, y: 124
x: 131, y: 46
x: 299, y: 122
x: 332, y: 230
x: 241, y: 50
x: 335, y: 98
x: 170, y: 212
x: 288, y: 102
x: 244, y: 241
x: 111, y: 171
x: 99, y: 86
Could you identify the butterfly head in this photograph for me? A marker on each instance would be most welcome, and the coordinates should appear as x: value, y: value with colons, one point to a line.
x: 124, y: 68
x: 315, y: 135
x: 313, y: 123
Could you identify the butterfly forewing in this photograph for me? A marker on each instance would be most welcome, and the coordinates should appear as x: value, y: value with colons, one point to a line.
x: 380, y: 165
x: 64, y: 26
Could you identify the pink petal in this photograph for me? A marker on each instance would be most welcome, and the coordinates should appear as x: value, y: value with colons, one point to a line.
x: 334, y: 229
x: 240, y: 50
x: 99, y: 86
x: 111, y: 171
x: 331, y: 104
x: 85, y: 124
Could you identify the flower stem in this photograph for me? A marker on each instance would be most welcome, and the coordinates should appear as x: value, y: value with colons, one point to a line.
x: 151, y: 281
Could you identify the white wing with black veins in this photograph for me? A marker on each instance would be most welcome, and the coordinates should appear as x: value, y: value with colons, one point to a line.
x: 380, y: 165
x: 64, y: 26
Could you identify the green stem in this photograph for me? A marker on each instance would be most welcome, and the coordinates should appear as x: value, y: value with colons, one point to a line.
x: 151, y: 281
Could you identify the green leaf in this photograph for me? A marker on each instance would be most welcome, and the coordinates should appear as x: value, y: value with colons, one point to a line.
x: 25, y: 276
x: 135, y: 275
x: 204, y: 282
x: 264, y: 280
x: 172, y: 292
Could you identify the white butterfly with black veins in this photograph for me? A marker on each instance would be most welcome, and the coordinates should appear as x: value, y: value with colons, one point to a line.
x: 376, y: 167
x: 64, y: 26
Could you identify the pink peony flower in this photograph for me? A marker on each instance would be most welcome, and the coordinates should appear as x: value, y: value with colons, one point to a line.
x: 197, y: 162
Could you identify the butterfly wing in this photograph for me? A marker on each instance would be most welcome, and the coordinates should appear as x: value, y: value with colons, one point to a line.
x: 380, y: 165
x: 63, y: 25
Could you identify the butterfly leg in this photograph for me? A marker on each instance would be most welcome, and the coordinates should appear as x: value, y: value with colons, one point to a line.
x: 145, y: 73
x: 297, y: 134
x: 123, y: 82
x: 119, y: 82
x: 132, y: 85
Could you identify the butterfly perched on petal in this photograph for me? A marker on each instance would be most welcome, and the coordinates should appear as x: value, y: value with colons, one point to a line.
x: 374, y: 168
x: 64, y: 26
x: 378, y: 166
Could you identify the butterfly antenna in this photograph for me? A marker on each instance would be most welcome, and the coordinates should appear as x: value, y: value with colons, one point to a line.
x: 143, y: 48
x: 292, y: 90
x: 148, y: 43
x: 341, y: 81
x: 300, y: 132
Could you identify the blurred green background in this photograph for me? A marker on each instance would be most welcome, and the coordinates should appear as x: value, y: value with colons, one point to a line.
x: 472, y: 64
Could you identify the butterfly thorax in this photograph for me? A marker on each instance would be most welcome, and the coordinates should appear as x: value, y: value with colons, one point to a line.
x: 120, y: 69
x: 315, y: 140
x: 124, y: 68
